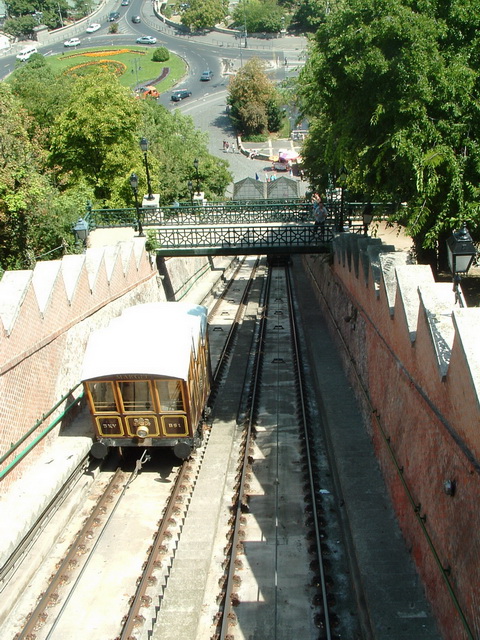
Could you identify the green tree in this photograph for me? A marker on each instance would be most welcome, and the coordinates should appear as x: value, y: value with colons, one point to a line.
x: 94, y: 137
x: 259, y: 16
x: 391, y: 90
x: 174, y: 144
x: 161, y: 54
x: 28, y: 228
x: 21, y: 27
x: 204, y: 14
x: 42, y: 93
x: 253, y: 99
x: 53, y: 12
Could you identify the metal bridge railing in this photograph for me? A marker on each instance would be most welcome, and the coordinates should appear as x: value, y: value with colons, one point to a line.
x: 234, y: 212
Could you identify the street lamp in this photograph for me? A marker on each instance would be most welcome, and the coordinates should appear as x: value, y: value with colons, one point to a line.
x: 342, y: 178
x: 134, y: 185
x: 367, y: 217
x: 144, y: 148
x: 195, y: 164
x: 461, y: 252
x: 80, y: 231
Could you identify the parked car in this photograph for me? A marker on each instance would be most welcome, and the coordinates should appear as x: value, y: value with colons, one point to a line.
x: 206, y: 75
x: 93, y: 27
x: 73, y: 42
x: 180, y: 94
x: 146, y: 40
x: 113, y: 16
x: 136, y: 19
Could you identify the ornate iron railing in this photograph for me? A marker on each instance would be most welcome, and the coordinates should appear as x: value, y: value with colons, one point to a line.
x: 242, y: 238
x: 233, y: 212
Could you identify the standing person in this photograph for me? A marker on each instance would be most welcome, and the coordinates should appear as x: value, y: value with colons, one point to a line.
x: 226, y: 146
x: 320, y: 213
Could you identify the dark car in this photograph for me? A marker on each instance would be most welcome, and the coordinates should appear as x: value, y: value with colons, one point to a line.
x: 113, y: 16
x: 180, y: 94
x: 206, y: 75
x: 136, y: 19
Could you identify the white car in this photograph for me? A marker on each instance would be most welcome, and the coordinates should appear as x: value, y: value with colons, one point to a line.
x: 73, y: 42
x: 146, y: 40
x: 93, y: 27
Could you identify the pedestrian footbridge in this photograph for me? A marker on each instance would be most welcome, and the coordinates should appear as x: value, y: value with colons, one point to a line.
x: 233, y: 228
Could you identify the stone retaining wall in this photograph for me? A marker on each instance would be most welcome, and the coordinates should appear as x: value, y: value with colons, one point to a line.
x: 47, y: 314
x: 413, y: 360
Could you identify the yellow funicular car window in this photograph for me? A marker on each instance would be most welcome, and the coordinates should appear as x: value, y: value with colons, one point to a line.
x: 135, y: 395
x: 103, y: 396
x: 170, y: 395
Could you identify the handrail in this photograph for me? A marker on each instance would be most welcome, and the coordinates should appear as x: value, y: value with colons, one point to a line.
x: 34, y: 442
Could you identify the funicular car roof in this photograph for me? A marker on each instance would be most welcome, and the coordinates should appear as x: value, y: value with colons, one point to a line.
x: 154, y: 339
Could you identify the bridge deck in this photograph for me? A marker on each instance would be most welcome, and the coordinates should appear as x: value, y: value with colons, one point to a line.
x: 242, y: 239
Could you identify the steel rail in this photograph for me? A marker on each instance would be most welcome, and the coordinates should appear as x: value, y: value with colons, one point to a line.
x: 69, y: 563
x: 247, y: 437
x: 133, y: 620
x: 41, y: 522
x: 311, y: 479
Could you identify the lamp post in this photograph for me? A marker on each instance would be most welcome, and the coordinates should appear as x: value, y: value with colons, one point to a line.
x: 342, y: 178
x: 134, y: 185
x: 80, y: 231
x: 461, y: 252
x: 144, y: 148
x: 367, y: 217
x: 195, y: 164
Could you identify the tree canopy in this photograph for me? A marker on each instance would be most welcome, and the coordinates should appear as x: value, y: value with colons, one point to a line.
x: 204, y: 14
x: 254, y: 99
x: 66, y: 140
x: 392, y: 91
x: 259, y: 16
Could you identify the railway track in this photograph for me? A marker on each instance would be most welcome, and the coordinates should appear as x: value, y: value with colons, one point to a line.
x: 45, y: 621
x: 276, y: 374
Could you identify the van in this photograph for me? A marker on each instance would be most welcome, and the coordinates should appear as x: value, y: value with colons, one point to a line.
x: 27, y: 52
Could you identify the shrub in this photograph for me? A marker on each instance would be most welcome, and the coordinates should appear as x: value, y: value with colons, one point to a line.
x: 161, y: 54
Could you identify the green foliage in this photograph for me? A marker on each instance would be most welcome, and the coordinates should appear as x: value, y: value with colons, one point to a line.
x: 392, y: 93
x: 174, y: 144
x: 34, y: 218
x: 204, y: 14
x: 53, y: 12
x: 259, y: 16
x: 161, y: 54
x: 113, y: 28
x: 152, y: 243
x: 67, y: 139
x: 309, y: 14
x: 94, y: 136
x: 254, y: 100
x: 21, y: 27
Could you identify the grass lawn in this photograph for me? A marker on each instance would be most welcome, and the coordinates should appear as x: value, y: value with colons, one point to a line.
x: 133, y: 62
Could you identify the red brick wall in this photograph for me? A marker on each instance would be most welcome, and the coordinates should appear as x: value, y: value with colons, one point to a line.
x: 41, y: 350
x: 429, y: 414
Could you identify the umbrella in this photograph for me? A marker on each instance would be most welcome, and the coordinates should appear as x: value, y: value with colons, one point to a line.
x: 287, y: 155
